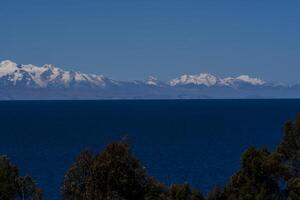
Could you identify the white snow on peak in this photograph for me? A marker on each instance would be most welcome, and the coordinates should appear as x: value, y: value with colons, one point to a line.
x: 47, y: 75
x: 248, y: 79
x: 152, y: 81
x: 200, y: 79
x: 8, y: 63
x: 211, y: 80
x: 7, y: 67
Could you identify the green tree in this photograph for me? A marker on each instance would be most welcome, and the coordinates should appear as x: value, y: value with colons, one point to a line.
x: 293, y: 189
x: 217, y: 194
x: 289, y: 149
x: 8, y: 176
x: 155, y: 190
x: 289, y: 153
x: 184, y: 192
x: 112, y: 174
x: 117, y: 170
x: 180, y: 192
x: 115, y: 174
x: 258, y: 178
x: 265, y: 175
x: 13, y: 186
x: 76, y: 180
x: 196, y: 195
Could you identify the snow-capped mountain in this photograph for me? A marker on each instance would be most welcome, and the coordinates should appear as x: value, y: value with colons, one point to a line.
x: 211, y: 80
x: 33, y: 76
x: 155, y: 82
x: 50, y: 82
x: 152, y: 81
x: 201, y: 79
x: 47, y: 76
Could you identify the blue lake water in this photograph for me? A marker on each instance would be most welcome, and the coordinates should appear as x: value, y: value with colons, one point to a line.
x: 198, y: 141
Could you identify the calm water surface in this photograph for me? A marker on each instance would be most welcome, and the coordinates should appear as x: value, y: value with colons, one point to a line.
x: 199, y: 141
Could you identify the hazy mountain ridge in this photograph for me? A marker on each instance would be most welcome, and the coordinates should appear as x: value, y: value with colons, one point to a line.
x: 50, y: 82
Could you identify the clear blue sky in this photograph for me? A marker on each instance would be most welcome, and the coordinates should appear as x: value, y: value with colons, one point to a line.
x: 131, y: 39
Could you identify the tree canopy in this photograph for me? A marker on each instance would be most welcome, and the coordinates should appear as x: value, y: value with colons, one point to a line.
x: 117, y: 174
x: 13, y: 186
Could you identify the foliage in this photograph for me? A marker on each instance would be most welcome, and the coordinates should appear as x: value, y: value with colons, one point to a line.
x: 13, y: 186
x: 183, y: 192
x: 116, y: 174
x: 256, y: 179
x: 216, y: 194
x: 267, y: 175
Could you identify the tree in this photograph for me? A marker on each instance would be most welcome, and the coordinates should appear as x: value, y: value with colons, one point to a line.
x: 216, y: 194
x: 184, y: 192
x: 76, y: 180
x: 112, y: 174
x: 13, y: 186
x: 289, y: 149
x: 293, y: 189
x: 180, y: 192
x: 257, y: 179
x: 155, y: 190
x: 197, y: 195
x: 26, y: 189
x: 8, y: 175
x: 117, y: 170
x: 289, y: 153
x: 115, y: 174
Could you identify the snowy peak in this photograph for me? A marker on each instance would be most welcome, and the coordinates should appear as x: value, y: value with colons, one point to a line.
x: 8, y: 63
x: 49, y: 76
x: 252, y: 81
x: 211, y: 80
x: 242, y: 80
x: 46, y: 76
x: 7, y: 67
x: 200, y: 79
x: 153, y: 81
x: 50, y: 82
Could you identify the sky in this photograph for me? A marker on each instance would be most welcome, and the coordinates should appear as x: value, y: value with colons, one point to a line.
x: 132, y: 39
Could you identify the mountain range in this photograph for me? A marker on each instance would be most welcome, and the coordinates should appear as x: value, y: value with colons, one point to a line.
x: 30, y: 82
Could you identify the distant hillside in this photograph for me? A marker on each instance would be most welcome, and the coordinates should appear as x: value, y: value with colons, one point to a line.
x: 19, y: 82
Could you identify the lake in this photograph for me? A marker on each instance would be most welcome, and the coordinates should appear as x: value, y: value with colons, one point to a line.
x: 195, y: 141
